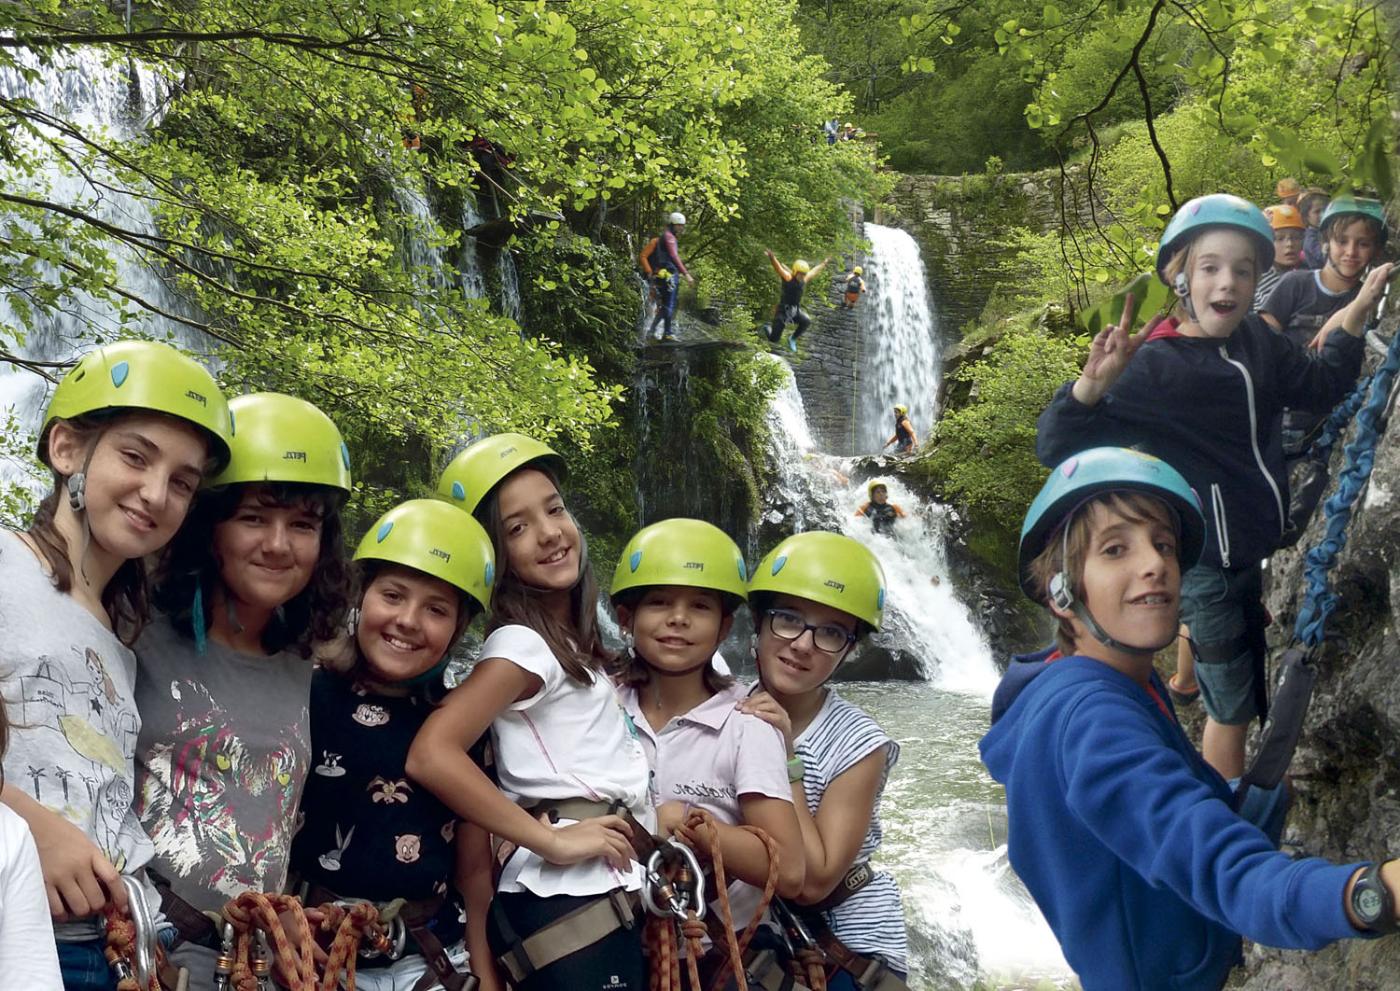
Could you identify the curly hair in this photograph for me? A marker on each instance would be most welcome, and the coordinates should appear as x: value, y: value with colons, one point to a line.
x: 191, y: 567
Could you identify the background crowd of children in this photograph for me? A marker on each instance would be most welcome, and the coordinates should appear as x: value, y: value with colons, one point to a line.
x: 206, y: 693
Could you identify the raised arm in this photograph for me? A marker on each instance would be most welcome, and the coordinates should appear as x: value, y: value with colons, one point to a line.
x: 778, y: 266
x: 821, y: 265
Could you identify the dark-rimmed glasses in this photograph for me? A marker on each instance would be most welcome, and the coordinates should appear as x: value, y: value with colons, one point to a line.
x: 788, y: 625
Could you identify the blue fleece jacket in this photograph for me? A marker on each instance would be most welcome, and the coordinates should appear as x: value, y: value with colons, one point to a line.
x: 1210, y: 409
x: 1127, y: 840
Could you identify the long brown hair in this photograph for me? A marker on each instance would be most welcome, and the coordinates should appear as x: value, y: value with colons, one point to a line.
x: 631, y: 669
x: 575, y: 643
x: 126, y: 597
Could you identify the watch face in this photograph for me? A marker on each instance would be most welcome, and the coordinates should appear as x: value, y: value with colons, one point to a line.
x: 1368, y: 904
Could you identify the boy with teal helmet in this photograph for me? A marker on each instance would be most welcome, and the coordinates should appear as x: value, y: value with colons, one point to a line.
x: 675, y: 590
x: 1129, y: 842
x: 814, y: 597
x: 369, y: 831
x: 130, y: 432
x: 255, y: 578
x: 1204, y: 390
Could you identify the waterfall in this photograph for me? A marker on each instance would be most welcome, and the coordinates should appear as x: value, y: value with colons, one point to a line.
x: 111, y: 103
x: 902, y: 359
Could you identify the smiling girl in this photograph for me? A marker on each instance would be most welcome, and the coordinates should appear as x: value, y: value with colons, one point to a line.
x: 253, y: 579
x: 129, y: 434
x: 675, y: 591
x: 564, y: 752
x: 425, y: 569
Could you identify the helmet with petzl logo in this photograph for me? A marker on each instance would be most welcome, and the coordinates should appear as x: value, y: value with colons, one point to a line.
x: 685, y: 552
x: 439, y: 540
x: 1218, y: 210
x: 139, y: 376
x: 829, y: 568
x: 281, y: 438
x: 1097, y: 471
x: 481, y: 466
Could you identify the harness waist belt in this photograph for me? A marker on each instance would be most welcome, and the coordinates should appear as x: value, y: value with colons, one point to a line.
x: 643, y: 843
x: 566, y: 935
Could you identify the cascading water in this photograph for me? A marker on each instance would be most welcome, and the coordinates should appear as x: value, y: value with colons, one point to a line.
x: 971, y: 921
x: 109, y: 103
x: 902, y: 354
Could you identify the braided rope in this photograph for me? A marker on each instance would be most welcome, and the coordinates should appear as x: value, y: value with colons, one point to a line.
x: 120, y: 950
x: 253, y: 911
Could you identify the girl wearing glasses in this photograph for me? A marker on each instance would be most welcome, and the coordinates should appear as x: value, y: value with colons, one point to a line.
x: 813, y: 597
x: 675, y: 591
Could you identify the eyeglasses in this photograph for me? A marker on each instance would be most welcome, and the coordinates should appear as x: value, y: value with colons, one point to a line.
x: 789, y: 625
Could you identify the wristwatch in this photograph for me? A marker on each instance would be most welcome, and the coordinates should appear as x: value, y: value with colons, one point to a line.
x: 796, y: 769
x: 1371, y: 902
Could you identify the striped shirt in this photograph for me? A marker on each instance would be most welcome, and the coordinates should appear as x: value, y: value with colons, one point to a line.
x: 840, y: 736
x: 1267, y: 281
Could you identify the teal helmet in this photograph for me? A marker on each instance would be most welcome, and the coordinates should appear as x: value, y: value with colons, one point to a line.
x: 1215, y: 210
x: 1107, y: 469
x: 1354, y: 206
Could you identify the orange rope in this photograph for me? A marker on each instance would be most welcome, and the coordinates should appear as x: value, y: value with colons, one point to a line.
x: 252, y: 911
x: 121, y: 950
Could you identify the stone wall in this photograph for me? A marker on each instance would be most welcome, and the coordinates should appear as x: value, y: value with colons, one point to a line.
x: 828, y: 370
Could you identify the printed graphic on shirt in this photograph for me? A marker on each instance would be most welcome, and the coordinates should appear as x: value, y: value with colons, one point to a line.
x: 93, y: 729
x: 330, y: 860
x: 408, y: 848
x: 367, y: 714
x: 330, y: 765
x: 216, y: 809
x: 384, y: 790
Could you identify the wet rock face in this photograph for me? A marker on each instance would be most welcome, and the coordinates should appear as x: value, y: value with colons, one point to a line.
x: 1347, y: 769
x: 828, y: 373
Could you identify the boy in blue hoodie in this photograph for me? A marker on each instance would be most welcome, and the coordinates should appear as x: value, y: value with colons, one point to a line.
x: 1128, y: 841
x: 1204, y: 391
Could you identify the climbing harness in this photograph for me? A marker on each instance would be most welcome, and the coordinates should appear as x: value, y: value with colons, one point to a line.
x: 1297, y: 671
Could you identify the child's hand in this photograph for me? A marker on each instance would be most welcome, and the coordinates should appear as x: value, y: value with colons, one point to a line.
x: 1110, y: 353
x: 1374, y: 286
x: 605, y: 836
x: 697, y: 838
x: 1358, y: 311
x: 670, y: 816
x: 78, y: 877
x: 763, y: 705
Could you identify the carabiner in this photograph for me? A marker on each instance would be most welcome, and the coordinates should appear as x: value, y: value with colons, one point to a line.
x: 144, y: 929
x: 678, y: 902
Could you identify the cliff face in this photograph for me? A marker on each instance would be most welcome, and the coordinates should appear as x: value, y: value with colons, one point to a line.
x: 1347, y: 769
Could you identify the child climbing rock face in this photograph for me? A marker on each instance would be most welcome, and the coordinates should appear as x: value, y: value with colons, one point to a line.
x: 855, y: 288
x: 1128, y: 841
x: 369, y: 831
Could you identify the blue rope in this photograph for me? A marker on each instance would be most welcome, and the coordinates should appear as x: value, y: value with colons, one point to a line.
x: 1319, y: 601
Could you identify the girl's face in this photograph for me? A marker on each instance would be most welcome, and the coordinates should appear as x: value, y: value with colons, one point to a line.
x: 1350, y: 247
x: 141, y: 479
x: 1312, y: 215
x: 794, y: 667
x: 541, y: 539
x: 676, y: 629
x: 267, y: 551
x: 1222, y: 277
x: 407, y: 622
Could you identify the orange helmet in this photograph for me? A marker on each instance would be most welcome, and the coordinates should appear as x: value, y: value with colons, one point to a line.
x: 1287, y: 187
x: 1285, y: 217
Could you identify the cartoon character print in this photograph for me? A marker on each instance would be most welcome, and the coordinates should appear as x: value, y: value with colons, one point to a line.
x: 217, y: 809
x: 369, y: 714
x: 330, y: 860
x: 389, y: 792
x: 448, y: 831
x: 408, y: 848
x: 330, y: 765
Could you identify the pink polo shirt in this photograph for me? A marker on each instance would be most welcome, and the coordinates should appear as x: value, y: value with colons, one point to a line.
x: 710, y: 756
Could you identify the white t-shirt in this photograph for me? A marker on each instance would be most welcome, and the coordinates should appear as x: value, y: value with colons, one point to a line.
x: 28, y: 955
x: 568, y: 740
x: 710, y: 756
x: 840, y: 736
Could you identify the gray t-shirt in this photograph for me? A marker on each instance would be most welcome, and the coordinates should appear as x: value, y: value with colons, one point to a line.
x: 224, y: 751
x: 67, y: 684
x: 1302, y: 304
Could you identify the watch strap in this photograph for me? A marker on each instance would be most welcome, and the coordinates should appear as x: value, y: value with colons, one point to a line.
x: 796, y: 769
x: 1370, y: 891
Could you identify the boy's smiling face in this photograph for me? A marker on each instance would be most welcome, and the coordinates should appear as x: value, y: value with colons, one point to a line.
x: 1351, y: 245
x: 1130, y: 581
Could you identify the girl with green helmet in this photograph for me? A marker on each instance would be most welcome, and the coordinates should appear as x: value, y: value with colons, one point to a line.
x: 558, y: 731
x: 368, y: 832
x: 256, y: 577
x: 129, y: 434
x: 813, y: 597
x: 675, y: 591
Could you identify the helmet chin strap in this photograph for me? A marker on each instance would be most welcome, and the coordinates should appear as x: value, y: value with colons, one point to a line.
x: 1181, y: 285
x: 1062, y: 597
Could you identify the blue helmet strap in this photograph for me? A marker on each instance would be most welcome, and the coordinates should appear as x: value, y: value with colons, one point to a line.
x: 1062, y: 597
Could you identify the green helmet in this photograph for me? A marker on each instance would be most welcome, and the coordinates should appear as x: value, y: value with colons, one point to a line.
x: 1354, y: 206
x: 682, y: 552
x: 284, y: 439
x: 829, y: 568
x: 142, y: 375
x: 1108, y: 469
x: 479, y: 468
x: 875, y: 483
x: 439, y: 540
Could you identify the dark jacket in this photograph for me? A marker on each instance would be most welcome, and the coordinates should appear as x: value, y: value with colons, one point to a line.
x: 1210, y: 408
x: 1127, y: 840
